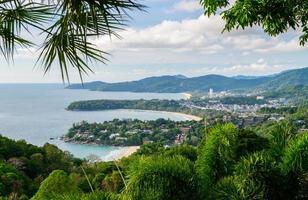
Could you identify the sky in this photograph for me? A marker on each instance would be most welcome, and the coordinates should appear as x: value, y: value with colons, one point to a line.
x: 173, y: 37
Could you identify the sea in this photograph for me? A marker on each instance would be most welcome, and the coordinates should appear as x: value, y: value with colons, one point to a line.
x: 36, y: 113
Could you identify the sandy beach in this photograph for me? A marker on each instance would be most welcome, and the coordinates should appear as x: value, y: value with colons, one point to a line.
x: 189, y: 117
x: 129, y: 151
x: 187, y: 95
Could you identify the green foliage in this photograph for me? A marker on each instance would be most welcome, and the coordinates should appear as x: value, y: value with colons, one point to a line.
x: 141, y: 104
x: 28, y: 165
x: 58, y: 182
x: 275, y: 17
x: 295, y: 158
x: 160, y: 177
x: 227, y: 188
x: 274, y: 170
x: 150, y: 149
x: 91, y: 196
x: 216, y: 156
x: 186, y: 151
x: 11, y: 180
x: 229, y: 163
x: 255, y: 177
x: 67, y: 27
x: 57, y: 159
x: 113, y: 182
x: 175, y: 84
x: 280, y: 133
x: 282, y: 110
x: 132, y: 132
x: 249, y: 142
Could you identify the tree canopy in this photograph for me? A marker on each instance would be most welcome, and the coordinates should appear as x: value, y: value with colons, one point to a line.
x: 275, y: 17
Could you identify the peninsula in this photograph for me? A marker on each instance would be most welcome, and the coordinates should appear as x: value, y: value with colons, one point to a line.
x: 135, y: 132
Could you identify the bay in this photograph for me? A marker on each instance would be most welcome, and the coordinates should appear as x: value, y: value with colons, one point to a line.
x: 36, y: 113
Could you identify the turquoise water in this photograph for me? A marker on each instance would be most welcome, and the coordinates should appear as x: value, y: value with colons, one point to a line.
x: 36, y: 112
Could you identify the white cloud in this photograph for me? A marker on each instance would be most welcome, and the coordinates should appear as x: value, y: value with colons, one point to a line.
x: 186, y: 6
x: 201, y: 36
x: 27, y: 53
x: 198, y: 44
x: 179, y: 36
x: 258, y: 68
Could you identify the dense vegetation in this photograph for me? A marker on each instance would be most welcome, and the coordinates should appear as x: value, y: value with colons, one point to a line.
x: 282, y: 110
x: 263, y: 162
x: 65, y: 28
x: 23, y: 166
x: 297, y: 93
x: 135, y: 132
x: 154, y: 104
x: 291, y: 78
x: 175, y: 84
x: 274, y: 17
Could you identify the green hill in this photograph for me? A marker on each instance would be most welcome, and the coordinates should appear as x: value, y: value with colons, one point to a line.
x: 174, y: 84
x: 298, y: 77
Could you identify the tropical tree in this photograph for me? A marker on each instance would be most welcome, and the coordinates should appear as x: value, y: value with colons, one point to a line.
x: 276, y: 171
x: 275, y: 17
x: 161, y: 177
x: 216, y: 156
x: 66, y: 27
x: 58, y: 182
x: 90, y: 196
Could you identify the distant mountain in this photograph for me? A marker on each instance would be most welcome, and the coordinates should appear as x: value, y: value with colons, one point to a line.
x: 181, y: 83
x: 298, y: 77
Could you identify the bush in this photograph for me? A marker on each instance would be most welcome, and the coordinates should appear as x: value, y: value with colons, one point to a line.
x: 160, y: 177
x: 58, y: 182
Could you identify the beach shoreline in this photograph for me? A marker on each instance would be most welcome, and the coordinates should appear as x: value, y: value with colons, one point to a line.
x: 129, y: 151
x: 189, y: 117
x: 187, y: 95
x: 186, y: 116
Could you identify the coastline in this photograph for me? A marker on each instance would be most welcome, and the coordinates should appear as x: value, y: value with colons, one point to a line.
x: 129, y: 151
x: 120, y: 153
x: 187, y: 95
x: 187, y: 116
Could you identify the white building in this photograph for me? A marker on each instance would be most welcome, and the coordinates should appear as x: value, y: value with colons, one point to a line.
x: 211, y: 93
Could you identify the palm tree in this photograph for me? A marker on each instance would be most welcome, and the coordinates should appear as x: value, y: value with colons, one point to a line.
x: 161, y: 177
x: 266, y: 170
x: 216, y: 156
x: 67, y: 27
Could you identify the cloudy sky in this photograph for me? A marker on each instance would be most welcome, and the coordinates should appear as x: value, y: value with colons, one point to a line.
x: 173, y: 37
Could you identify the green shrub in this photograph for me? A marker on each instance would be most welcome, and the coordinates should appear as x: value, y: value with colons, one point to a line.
x: 161, y: 177
x: 216, y: 156
x: 58, y: 182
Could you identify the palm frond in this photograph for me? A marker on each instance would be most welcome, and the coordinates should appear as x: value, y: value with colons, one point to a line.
x: 16, y: 17
x: 68, y: 27
x: 68, y: 38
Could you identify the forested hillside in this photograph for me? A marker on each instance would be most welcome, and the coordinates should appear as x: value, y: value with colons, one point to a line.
x: 162, y: 84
